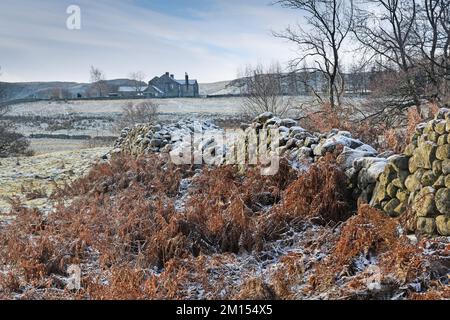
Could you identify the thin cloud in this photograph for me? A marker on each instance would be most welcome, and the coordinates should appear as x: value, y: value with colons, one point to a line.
x: 122, y: 36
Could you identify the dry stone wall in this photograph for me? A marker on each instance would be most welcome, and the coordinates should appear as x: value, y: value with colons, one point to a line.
x: 419, y: 179
x: 361, y: 163
x: 148, y: 138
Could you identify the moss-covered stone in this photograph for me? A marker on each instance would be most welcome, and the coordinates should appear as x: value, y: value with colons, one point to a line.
x: 446, y: 181
x: 391, y: 190
x: 443, y: 225
x: 440, y: 127
x: 429, y: 127
x: 379, y: 194
x: 402, y: 176
x: 440, y: 182
x: 413, y: 183
x: 409, y: 150
x: 443, y: 152
x: 437, y: 167
x: 428, y: 178
x: 424, y: 203
x: 433, y: 136
x: 443, y: 139
x: 414, y: 163
x: 390, y: 207
x: 423, y: 157
x: 399, y: 163
x: 426, y: 226
x: 402, y: 196
x: 398, y: 183
x: 446, y: 166
x: 443, y: 200
x: 420, y: 179
x: 388, y: 174
x: 400, y: 209
x: 422, y: 139
x: 411, y: 198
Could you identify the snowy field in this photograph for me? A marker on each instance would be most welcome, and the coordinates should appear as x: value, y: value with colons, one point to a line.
x: 180, y: 105
x: 44, y: 146
x: 96, y: 118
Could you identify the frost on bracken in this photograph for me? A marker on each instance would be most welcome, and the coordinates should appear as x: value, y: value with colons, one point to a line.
x: 141, y: 227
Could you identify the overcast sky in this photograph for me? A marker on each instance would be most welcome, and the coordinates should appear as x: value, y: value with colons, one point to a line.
x: 209, y: 39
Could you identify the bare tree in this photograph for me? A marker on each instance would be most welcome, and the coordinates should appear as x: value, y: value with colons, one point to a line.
x: 138, y: 78
x: 263, y: 90
x: 132, y: 114
x: 311, y: 81
x: 385, y: 28
x: 98, y: 81
x: 445, y: 22
x: 321, y: 40
x: 433, y: 39
x: 358, y: 80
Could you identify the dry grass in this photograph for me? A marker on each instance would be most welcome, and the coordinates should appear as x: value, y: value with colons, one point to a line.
x: 397, y: 139
x: 122, y: 227
x: 321, y: 193
x: 123, y: 219
x: 368, y: 231
x: 414, y: 118
x: 372, y: 236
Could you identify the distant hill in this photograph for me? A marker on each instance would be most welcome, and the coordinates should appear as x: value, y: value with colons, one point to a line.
x: 46, y: 90
x: 292, y: 84
x: 212, y: 88
x: 25, y: 90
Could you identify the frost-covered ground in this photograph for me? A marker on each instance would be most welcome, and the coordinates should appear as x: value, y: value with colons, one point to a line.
x: 33, y: 179
x: 43, y: 146
x: 183, y: 105
x: 288, y: 266
x: 96, y: 118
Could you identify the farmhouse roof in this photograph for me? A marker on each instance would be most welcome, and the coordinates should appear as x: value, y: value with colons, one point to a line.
x: 191, y: 82
x: 157, y: 89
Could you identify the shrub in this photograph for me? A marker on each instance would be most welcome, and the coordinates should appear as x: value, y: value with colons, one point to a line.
x: 132, y: 114
x: 370, y: 230
x: 320, y: 193
x: 229, y: 207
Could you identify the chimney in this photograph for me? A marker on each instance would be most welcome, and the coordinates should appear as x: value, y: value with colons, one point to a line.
x: 172, y: 76
x: 167, y: 73
x: 186, y: 76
